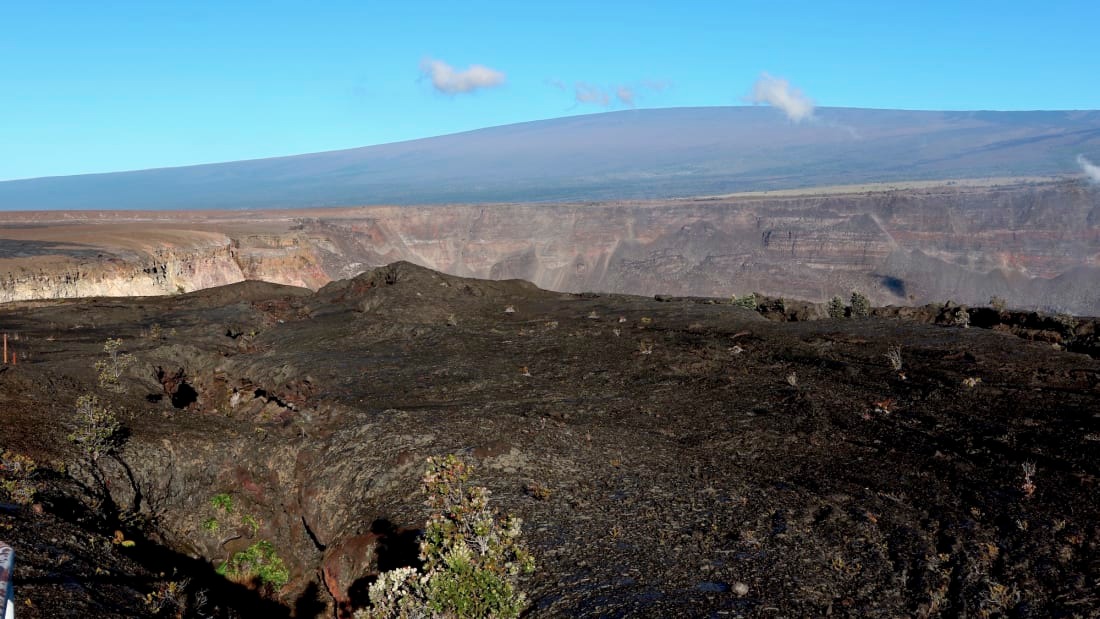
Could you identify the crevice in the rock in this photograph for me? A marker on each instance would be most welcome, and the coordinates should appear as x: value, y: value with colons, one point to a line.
x: 313, y: 536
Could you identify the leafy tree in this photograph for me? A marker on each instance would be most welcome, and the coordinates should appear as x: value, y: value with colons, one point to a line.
x: 836, y: 308
x: 861, y: 305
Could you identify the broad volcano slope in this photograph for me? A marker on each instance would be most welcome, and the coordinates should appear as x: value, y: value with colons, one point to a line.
x: 677, y: 458
x: 630, y: 154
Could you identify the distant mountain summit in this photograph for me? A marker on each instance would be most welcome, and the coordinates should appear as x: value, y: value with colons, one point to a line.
x: 655, y: 153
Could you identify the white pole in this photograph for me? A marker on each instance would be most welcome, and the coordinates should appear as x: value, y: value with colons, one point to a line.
x: 7, y: 565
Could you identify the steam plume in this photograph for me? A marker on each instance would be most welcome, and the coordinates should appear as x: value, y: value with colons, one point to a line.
x: 1090, y: 169
x: 778, y: 93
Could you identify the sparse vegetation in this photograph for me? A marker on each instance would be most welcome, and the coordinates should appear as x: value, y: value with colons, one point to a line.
x: 168, y: 599
x: 836, y: 308
x: 110, y: 370
x: 1029, y: 478
x: 536, y: 490
x: 16, y: 472
x: 748, y: 301
x: 223, y: 502
x: 98, y: 431
x: 226, y: 516
x: 259, y: 562
x: 998, y: 303
x: 893, y: 356
x: 861, y: 305
x: 1068, y: 327
x: 472, y: 556
x: 961, y: 318
x: 250, y: 521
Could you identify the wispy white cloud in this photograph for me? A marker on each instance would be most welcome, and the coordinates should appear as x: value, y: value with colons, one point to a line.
x: 589, y: 93
x: 447, y: 79
x: 778, y: 93
x: 625, y: 94
x: 1090, y: 169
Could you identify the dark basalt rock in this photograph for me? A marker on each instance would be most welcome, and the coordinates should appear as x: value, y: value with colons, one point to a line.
x: 690, y: 458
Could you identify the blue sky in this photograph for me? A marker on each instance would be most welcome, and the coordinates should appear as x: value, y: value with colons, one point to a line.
x: 105, y: 86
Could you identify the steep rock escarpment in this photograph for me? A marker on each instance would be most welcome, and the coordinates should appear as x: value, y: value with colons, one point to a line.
x: 1034, y: 244
x: 203, y: 261
x: 1031, y: 244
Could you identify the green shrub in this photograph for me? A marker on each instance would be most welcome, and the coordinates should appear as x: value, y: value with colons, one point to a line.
x: 98, y: 431
x: 223, y: 502
x: 110, y: 370
x: 472, y: 556
x: 1067, y: 327
x: 861, y: 305
x: 257, y: 562
x: 748, y: 301
x: 250, y: 521
x: 15, y: 477
x: 836, y: 308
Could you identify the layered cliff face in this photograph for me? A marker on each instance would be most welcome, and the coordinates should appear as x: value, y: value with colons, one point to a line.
x: 1033, y: 244
x: 139, y: 266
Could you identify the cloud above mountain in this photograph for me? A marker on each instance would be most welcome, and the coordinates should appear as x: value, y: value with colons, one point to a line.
x: 448, y: 80
x: 778, y: 93
x: 590, y: 93
x: 625, y: 95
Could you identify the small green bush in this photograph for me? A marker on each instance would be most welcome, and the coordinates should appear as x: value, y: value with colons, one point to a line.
x: 748, y: 301
x: 1068, y: 326
x: 223, y: 502
x: 472, y: 556
x: 836, y: 308
x: 98, y: 431
x: 15, y: 477
x: 861, y: 305
x: 250, y: 521
x: 257, y: 562
x: 110, y: 370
